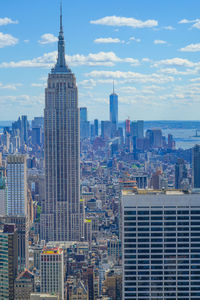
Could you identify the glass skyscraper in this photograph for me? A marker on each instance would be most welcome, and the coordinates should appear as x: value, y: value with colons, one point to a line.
x: 196, y: 166
x: 114, y: 110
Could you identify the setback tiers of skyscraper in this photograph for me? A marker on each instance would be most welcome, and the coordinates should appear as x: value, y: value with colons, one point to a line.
x: 61, y: 218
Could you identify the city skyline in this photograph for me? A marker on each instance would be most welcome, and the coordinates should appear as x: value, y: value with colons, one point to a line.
x: 151, y: 51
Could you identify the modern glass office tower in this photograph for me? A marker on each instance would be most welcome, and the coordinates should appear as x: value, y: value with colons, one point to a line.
x: 161, y: 246
x: 114, y: 110
x: 196, y: 166
x: 61, y: 218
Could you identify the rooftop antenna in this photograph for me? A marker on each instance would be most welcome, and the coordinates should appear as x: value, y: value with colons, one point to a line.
x: 113, y: 86
x: 61, y: 26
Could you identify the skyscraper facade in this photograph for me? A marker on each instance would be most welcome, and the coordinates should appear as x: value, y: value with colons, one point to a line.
x: 3, y: 193
x: 180, y: 173
x: 140, y: 129
x: 160, y: 240
x: 196, y: 166
x: 52, y: 271
x: 114, y: 110
x: 22, y: 226
x: 17, y: 185
x: 106, y: 129
x: 24, y: 130
x: 83, y: 114
x: 8, y: 259
x: 96, y: 127
x: 84, y: 123
x: 61, y: 218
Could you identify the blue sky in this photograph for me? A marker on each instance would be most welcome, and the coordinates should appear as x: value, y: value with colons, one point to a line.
x: 150, y: 48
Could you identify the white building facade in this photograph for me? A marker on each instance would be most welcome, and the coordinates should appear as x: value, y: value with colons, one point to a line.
x: 161, y: 246
x: 52, y: 271
x: 17, y: 185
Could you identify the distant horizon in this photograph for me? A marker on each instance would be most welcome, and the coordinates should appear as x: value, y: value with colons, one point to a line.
x: 163, y: 120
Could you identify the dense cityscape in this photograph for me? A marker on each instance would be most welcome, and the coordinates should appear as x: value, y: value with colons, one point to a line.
x: 96, y: 210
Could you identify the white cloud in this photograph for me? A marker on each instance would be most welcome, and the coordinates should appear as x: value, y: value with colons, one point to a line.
x: 97, y: 59
x: 123, y: 21
x: 22, y: 100
x: 6, y: 21
x: 128, y: 89
x: 38, y: 84
x: 126, y: 77
x: 191, y: 48
x: 47, y: 38
x: 88, y: 83
x: 169, y: 28
x: 132, y: 38
x: 108, y: 40
x: 12, y: 86
x: 195, y: 25
x: 179, y: 62
x: 43, y: 61
x: 195, y: 79
x: 157, y: 42
x: 174, y: 71
x: 186, y: 21
x: 92, y: 59
x: 91, y: 83
x: 7, y: 40
x: 146, y: 59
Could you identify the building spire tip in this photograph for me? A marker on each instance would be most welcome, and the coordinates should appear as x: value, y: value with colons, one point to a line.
x: 61, y: 27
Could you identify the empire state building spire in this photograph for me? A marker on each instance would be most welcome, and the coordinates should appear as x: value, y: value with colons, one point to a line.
x: 61, y: 66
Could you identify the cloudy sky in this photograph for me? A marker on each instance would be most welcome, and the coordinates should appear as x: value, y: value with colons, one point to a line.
x: 150, y: 48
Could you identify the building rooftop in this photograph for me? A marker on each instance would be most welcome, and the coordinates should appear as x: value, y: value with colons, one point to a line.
x: 158, y: 198
x: 153, y: 192
x: 55, y: 251
x: 25, y: 275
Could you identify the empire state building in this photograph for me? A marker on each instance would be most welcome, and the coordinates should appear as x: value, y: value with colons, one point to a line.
x: 61, y: 219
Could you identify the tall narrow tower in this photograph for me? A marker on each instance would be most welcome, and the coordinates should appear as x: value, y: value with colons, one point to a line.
x: 61, y: 219
x: 114, y: 110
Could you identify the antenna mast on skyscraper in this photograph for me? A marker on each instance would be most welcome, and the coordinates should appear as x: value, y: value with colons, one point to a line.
x: 113, y: 86
x: 61, y: 26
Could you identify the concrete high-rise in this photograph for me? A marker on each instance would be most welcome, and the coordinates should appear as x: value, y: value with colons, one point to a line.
x: 160, y: 240
x: 3, y: 193
x: 106, y: 129
x: 96, y: 127
x: 196, y: 166
x: 24, y: 285
x: 140, y: 129
x: 60, y: 218
x: 52, y: 271
x: 114, y: 110
x: 83, y: 114
x: 8, y: 259
x: 17, y: 185
x: 24, y: 129
x: 180, y: 173
x: 84, y: 123
x: 22, y: 226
